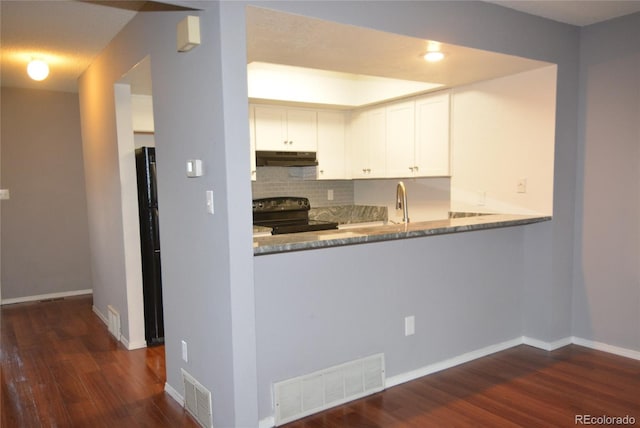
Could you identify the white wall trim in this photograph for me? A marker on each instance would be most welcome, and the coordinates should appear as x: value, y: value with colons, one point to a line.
x: 132, y: 345
x: 175, y: 394
x: 611, y: 349
x: 268, y: 422
x: 100, y: 315
x: 547, y: 346
x: 129, y: 345
x: 46, y: 296
x: 451, y: 362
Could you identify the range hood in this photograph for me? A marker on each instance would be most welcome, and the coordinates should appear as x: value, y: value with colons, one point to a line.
x: 275, y: 158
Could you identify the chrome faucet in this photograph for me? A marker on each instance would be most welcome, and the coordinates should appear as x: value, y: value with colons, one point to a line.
x: 401, y: 201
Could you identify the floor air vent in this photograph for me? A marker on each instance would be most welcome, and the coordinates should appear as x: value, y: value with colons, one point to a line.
x: 113, y: 321
x: 302, y: 396
x: 197, y: 400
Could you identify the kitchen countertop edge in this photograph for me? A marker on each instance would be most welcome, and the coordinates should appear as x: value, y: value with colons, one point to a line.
x: 355, y: 235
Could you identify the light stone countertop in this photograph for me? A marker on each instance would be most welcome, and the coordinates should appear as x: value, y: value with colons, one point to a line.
x: 362, y: 235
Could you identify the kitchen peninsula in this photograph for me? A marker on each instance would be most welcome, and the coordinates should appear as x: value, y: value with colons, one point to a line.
x: 368, y: 234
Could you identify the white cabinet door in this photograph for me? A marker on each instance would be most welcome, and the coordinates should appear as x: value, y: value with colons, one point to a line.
x: 270, y: 124
x: 368, y: 157
x: 359, y: 158
x: 432, y: 135
x: 283, y: 129
x: 331, y: 146
x: 142, y: 111
x: 400, y: 139
x: 376, y: 141
x: 302, y: 131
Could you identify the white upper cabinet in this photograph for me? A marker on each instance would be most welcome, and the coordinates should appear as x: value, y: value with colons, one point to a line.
x: 407, y: 138
x: 285, y: 129
x: 368, y: 140
x: 332, y: 161
x: 142, y: 111
x: 400, y: 139
x: 432, y: 146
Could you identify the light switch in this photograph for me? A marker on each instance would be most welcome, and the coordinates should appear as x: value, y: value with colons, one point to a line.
x: 209, y: 194
x: 194, y: 168
x: 409, y: 325
x: 185, y: 353
x: 4, y: 194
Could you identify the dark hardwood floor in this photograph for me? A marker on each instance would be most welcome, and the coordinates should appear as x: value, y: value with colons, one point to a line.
x: 519, y: 387
x: 59, y: 367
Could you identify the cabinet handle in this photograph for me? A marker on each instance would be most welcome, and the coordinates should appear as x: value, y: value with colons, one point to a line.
x: 416, y: 168
x: 411, y: 168
x: 322, y: 171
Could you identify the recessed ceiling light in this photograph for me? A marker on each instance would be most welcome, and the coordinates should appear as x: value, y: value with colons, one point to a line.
x: 38, y: 70
x: 434, y: 56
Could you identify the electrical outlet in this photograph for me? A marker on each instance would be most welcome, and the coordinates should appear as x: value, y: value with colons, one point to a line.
x: 4, y: 194
x: 185, y: 354
x: 409, y: 325
x: 330, y: 195
x: 522, y: 185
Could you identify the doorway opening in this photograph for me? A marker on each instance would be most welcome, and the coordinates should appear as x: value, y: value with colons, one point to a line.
x: 137, y: 149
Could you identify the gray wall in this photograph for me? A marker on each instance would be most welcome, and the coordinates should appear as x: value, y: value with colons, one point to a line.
x: 520, y: 279
x: 467, y: 291
x: 337, y: 305
x: 606, y: 305
x: 45, y: 239
x: 200, y: 262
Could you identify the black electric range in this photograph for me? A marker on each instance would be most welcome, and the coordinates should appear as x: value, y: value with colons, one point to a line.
x: 287, y: 214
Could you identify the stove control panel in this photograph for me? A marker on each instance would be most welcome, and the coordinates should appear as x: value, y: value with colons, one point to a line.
x: 280, y: 203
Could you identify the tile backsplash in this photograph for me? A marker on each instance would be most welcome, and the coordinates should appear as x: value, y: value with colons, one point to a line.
x: 300, y: 181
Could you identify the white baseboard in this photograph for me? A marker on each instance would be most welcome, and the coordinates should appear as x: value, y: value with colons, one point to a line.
x: 598, y: 346
x: 45, y: 296
x: 129, y: 345
x: 100, y: 315
x: 547, y: 346
x: 611, y: 349
x: 451, y: 362
x: 175, y: 394
x: 268, y: 422
x: 132, y: 345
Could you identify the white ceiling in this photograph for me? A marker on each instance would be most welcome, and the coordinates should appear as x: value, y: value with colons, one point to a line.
x: 281, y: 38
x: 574, y: 12
x: 66, y: 34
x: 70, y: 34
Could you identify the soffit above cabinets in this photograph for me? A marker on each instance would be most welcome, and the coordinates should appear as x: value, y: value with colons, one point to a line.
x: 299, y: 85
x: 293, y: 40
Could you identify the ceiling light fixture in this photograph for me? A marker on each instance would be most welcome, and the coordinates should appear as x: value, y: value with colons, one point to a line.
x: 434, y: 56
x: 38, y: 70
x: 434, y: 53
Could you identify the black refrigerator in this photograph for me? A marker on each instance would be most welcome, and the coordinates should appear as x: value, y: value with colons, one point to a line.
x: 150, y: 245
